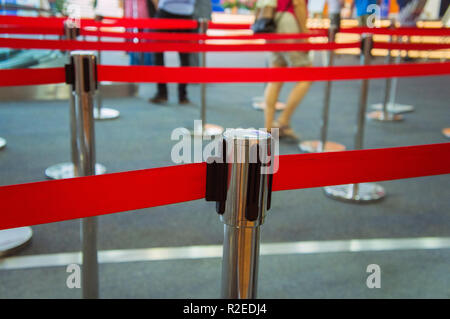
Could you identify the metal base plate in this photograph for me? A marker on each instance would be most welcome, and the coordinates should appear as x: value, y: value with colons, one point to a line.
x: 209, y: 130
x: 314, y: 146
x: 66, y: 170
x: 380, y: 116
x: 2, y: 143
x: 394, y: 108
x: 446, y: 132
x: 13, y: 239
x: 259, y: 104
x: 106, y: 114
x: 367, y: 193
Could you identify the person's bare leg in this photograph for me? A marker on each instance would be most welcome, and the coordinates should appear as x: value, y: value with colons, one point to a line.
x: 271, y: 97
x: 295, y: 97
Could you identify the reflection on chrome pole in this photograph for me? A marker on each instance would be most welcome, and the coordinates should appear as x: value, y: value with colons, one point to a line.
x: 2, y: 143
x: 367, y: 192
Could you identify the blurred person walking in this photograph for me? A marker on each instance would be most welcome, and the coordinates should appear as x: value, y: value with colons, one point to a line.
x: 291, y: 17
x: 173, y: 9
x: 410, y: 11
x: 334, y: 12
x: 139, y: 9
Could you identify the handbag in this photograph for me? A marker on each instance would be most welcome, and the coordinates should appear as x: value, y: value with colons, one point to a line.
x: 265, y: 21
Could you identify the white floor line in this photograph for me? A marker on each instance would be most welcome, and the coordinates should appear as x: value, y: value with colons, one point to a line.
x: 215, y: 251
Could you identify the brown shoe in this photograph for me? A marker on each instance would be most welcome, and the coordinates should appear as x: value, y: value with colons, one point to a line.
x: 158, y: 99
x: 286, y: 133
x: 184, y: 101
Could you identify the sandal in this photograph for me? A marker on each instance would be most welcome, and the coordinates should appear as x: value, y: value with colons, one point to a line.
x: 285, y: 132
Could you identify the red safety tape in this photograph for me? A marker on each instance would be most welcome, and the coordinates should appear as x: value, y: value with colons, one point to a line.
x: 59, y: 200
x: 53, y: 22
x: 141, y: 74
x: 173, y: 36
x: 411, y: 46
x: 70, y: 45
x: 157, y: 74
x: 196, y: 37
x: 12, y: 77
x: 400, y: 31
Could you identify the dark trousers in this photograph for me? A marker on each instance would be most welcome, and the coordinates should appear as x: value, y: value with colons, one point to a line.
x: 184, y: 57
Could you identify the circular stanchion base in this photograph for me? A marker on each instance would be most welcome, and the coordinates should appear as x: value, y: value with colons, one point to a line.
x: 382, y: 117
x: 66, y: 170
x: 259, y: 104
x: 315, y: 146
x: 13, y: 239
x: 209, y: 130
x: 106, y: 114
x: 367, y: 193
x: 2, y: 143
x: 394, y: 108
x: 446, y: 132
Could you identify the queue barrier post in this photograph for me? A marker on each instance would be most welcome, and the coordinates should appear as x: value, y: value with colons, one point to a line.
x: 323, y: 145
x: 242, y: 191
x: 364, y: 192
x: 391, y: 105
x: 100, y: 112
x: 205, y: 129
x: 446, y: 132
x: 69, y: 170
x: 82, y: 75
x: 2, y: 143
x: 385, y: 115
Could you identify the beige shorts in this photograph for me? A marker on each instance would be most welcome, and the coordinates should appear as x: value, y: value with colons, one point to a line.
x: 286, y: 23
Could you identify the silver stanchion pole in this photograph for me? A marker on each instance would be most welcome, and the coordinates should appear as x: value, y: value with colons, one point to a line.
x: 365, y: 192
x: 323, y: 145
x: 243, y: 198
x: 2, y: 143
x: 384, y: 115
x: 389, y: 103
x: 446, y: 132
x: 84, y: 86
x: 205, y: 129
x: 100, y: 112
x: 68, y: 170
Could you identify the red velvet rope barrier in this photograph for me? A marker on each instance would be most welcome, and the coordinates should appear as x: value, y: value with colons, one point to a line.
x: 12, y: 77
x: 107, y: 22
x: 155, y: 74
x: 153, y: 23
x: 70, y: 45
x: 411, y: 46
x: 58, y: 200
x: 258, y: 75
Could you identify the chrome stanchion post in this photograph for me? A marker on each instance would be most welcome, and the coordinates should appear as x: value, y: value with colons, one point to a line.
x: 391, y: 106
x: 384, y: 115
x: 365, y: 192
x: 69, y: 170
x: 2, y: 143
x: 446, y: 132
x: 242, y: 192
x: 205, y: 129
x: 83, y: 89
x: 323, y: 145
x: 100, y: 112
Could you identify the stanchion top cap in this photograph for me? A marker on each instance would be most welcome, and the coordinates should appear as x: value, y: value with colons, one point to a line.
x: 82, y: 53
x: 246, y: 134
